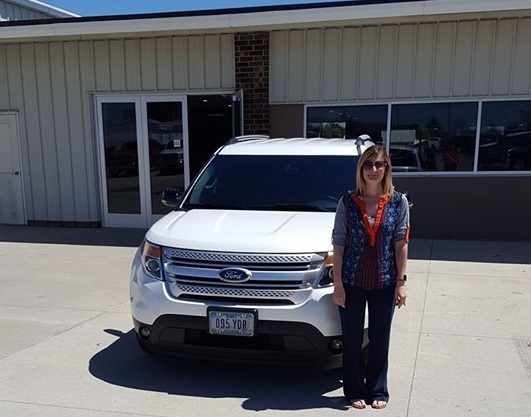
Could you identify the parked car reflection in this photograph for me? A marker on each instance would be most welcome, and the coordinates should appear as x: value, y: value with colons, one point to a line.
x: 519, y: 158
x: 405, y: 159
x: 506, y: 152
x: 123, y: 162
x: 171, y: 159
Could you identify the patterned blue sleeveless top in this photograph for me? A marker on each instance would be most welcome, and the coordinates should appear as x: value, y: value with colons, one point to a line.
x: 369, y: 258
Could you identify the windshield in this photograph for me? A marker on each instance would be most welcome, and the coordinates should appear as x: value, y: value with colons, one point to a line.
x: 287, y: 182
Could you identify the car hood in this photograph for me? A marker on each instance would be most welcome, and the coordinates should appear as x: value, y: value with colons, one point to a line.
x: 245, y: 231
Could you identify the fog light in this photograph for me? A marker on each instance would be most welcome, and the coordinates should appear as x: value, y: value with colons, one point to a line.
x: 336, y: 346
x: 144, y: 333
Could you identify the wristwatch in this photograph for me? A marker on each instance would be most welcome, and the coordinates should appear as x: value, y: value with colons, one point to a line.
x: 403, y: 279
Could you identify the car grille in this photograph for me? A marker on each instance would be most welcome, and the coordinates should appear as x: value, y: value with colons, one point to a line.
x: 276, y: 278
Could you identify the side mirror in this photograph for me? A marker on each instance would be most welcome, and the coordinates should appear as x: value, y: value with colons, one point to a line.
x: 171, y: 196
x: 409, y: 199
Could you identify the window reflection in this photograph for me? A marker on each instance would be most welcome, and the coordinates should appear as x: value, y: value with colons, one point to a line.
x: 437, y: 137
x: 505, y: 141
x: 433, y: 137
x: 121, y: 157
x: 347, y: 122
x: 166, y: 161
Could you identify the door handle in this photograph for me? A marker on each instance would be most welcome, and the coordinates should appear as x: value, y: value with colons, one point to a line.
x: 16, y: 173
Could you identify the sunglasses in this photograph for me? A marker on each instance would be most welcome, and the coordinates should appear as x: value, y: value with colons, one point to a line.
x: 367, y: 165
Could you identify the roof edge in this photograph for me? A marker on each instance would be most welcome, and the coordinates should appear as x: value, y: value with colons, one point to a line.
x: 254, y: 18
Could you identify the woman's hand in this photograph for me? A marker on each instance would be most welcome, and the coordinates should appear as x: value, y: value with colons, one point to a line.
x: 339, y: 295
x: 400, y: 295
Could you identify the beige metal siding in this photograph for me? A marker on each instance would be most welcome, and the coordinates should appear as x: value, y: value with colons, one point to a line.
x: 4, y: 85
x: 406, y: 56
x: 444, y: 62
x: 368, y: 63
x: 386, y: 62
x: 297, y: 66
x: 180, y: 63
x: 424, y: 64
x: 163, y: 64
x: 521, y: 77
x: 314, y: 64
x: 278, y: 65
x: 331, y: 64
x: 81, y: 150
x: 483, y: 53
x: 463, y: 58
x: 503, y: 54
x: 348, y: 77
x: 51, y: 84
x: 117, y: 65
x: 469, y: 58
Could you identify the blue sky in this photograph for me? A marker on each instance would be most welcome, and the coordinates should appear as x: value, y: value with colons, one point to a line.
x: 115, y: 7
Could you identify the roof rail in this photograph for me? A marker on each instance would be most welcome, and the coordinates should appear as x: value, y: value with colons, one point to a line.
x: 245, y: 138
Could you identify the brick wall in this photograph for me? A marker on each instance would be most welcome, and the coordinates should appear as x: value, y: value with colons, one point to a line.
x: 251, y: 52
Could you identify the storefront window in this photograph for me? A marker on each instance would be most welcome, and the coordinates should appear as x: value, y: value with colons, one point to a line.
x: 347, y: 122
x: 505, y: 142
x: 437, y: 137
x: 433, y: 137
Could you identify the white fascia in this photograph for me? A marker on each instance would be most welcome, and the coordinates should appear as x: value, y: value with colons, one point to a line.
x: 267, y: 20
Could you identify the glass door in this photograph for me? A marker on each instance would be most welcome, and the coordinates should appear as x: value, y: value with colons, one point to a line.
x: 168, y: 156
x: 142, y: 149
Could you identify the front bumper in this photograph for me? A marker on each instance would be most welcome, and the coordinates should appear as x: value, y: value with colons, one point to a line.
x: 273, y: 341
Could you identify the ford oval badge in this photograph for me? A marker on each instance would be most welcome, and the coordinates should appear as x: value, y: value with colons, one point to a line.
x: 235, y: 274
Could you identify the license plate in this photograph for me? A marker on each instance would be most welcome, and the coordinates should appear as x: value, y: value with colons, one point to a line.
x: 231, y: 323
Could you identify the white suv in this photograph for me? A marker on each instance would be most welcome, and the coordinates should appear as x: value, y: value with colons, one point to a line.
x: 242, y: 266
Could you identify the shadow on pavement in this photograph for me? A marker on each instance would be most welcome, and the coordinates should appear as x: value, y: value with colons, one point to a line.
x: 500, y: 252
x: 262, y: 387
x: 73, y: 236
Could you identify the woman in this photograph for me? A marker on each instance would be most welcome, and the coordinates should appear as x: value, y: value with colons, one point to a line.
x: 370, y: 239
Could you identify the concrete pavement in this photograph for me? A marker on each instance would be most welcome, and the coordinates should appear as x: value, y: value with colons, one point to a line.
x: 461, y: 346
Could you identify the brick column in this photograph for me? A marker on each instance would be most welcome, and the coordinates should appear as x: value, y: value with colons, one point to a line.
x: 251, y: 56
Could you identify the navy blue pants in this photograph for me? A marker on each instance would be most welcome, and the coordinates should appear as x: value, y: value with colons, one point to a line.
x: 369, y: 382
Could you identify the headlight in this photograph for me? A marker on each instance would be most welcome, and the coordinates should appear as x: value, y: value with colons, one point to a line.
x: 327, y: 279
x: 152, y: 260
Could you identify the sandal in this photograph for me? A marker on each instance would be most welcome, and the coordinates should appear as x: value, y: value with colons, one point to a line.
x: 379, y: 404
x: 359, y: 404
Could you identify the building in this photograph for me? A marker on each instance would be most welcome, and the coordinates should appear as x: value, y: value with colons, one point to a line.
x: 98, y: 115
x: 30, y: 10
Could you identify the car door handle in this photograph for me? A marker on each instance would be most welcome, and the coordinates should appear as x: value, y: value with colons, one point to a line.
x: 16, y: 172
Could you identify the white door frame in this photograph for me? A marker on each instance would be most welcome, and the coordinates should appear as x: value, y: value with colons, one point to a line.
x: 150, y: 98
x: 12, y: 174
x: 145, y: 218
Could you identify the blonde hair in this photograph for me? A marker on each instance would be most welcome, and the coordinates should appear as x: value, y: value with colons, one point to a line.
x: 387, y: 181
